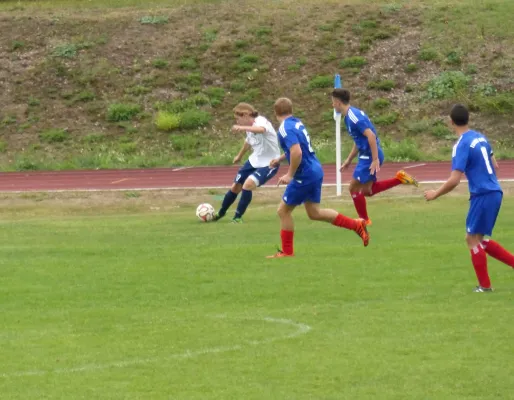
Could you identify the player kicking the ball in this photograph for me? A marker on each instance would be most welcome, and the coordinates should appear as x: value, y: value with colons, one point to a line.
x: 472, y: 156
x: 367, y: 147
x: 303, y: 179
x: 262, y: 138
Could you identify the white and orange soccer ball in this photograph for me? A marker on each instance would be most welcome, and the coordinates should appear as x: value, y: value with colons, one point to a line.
x: 205, y: 212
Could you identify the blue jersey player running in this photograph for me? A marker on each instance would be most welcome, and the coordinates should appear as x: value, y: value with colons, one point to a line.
x: 304, y: 179
x: 367, y: 147
x: 472, y: 156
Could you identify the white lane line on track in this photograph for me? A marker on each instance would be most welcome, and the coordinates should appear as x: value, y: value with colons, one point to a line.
x: 414, y: 166
x: 180, y: 169
x: 183, y: 188
x: 121, y: 180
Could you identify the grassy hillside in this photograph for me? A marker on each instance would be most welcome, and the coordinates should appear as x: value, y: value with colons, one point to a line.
x: 153, y: 84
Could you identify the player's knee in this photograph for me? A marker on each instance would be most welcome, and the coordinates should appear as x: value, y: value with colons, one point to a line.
x: 314, y: 215
x: 283, y: 210
x: 468, y: 241
x: 249, y: 184
x: 236, y: 188
x: 353, y: 187
x: 366, y: 190
x: 473, y: 240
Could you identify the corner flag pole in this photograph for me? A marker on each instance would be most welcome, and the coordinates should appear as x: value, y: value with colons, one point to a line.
x: 337, y: 118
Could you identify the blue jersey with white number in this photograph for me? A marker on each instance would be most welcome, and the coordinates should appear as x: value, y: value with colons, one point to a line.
x: 472, y: 155
x: 291, y: 132
x: 357, y: 122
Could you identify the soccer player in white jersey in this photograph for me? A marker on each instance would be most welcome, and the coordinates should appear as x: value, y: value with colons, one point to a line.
x: 472, y: 156
x: 261, y: 137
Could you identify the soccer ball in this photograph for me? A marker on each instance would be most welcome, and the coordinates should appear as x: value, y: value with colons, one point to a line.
x: 205, y: 212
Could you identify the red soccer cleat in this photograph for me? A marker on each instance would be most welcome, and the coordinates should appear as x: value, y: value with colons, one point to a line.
x: 362, y: 231
x: 280, y: 254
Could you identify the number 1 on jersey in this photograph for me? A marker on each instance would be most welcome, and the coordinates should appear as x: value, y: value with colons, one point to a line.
x: 304, y: 131
x: 308, y: 139
x: 486, y: 159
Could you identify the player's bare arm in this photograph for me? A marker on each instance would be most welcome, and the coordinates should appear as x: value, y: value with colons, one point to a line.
x: 253, y: 129
x: 495, y: 163
x: 452, y: 182
x: 241, y: 153
x: 372, y: 140
x: 349, y: 159
x: 295, y: 158
x: 277, y: 161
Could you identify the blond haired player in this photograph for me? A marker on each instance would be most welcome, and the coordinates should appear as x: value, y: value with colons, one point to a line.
x: 261, y: 137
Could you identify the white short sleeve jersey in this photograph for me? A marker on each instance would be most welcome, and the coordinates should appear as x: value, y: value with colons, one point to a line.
x: 265, y: 145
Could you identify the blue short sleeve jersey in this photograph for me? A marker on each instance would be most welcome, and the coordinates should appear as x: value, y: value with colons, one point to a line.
x: 472, y: 156
x: 356, y: 122
x: 291, y: 132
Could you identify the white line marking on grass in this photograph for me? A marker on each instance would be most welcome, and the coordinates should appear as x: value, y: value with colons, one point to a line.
x: 178, y: 188
x: 300, y: 330
x: 340, y: 199
x: 399, y: 197
x: 464, y: 181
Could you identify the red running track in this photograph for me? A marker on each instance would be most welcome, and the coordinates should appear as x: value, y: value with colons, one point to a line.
x: 198, y: 177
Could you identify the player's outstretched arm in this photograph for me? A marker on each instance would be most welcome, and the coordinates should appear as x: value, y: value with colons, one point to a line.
x: 253, y: 128
x: 452, y: 182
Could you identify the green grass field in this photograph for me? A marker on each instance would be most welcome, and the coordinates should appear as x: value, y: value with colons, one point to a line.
x: 161, y: 306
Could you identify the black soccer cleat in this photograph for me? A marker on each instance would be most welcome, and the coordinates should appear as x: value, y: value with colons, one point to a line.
x: 217, y: 217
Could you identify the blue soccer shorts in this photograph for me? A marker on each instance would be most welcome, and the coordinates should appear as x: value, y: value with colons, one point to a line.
x: 259, y: 175
x: 362, y: 172
x: 482, y: 214
x: 298, y: 193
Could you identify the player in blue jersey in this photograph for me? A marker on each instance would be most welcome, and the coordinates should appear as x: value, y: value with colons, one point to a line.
x: 304, y: 179
x: 367, y: 147
x: 472, y: 155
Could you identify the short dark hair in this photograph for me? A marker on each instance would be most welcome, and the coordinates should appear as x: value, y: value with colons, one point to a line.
x: 342, y: 94
x: 459, y: 115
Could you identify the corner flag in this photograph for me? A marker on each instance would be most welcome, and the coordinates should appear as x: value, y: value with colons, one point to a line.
x: 337, y: 118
